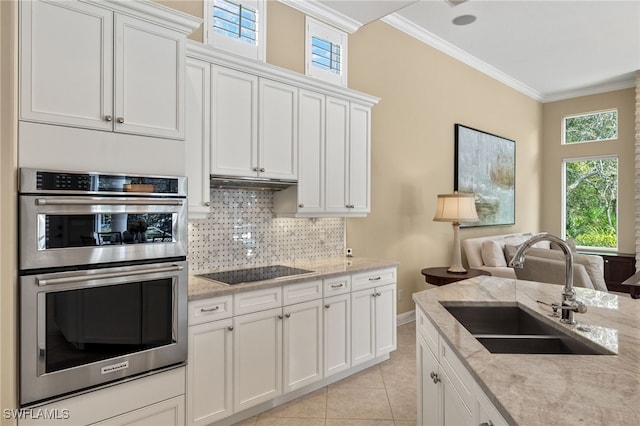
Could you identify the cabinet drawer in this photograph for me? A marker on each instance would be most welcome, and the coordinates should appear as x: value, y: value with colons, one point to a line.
x: 301, y: 292
x: 206, y: 310
x: 373, y: 278
x: 337, y: 285
x: 257, y: 300
x: 460, y: 378
x: 427, y: 330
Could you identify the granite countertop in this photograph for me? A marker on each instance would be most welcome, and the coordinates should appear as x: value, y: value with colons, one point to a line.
x: 202, y: 288
x: 550, y: 389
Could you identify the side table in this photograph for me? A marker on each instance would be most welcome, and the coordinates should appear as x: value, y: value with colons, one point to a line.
x: 439, y: 275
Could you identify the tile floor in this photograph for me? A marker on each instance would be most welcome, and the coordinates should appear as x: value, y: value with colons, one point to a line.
x: 383, y: 395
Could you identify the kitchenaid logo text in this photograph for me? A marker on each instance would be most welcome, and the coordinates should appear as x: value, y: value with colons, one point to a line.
x: 36, y: 413
x: 115, y: 367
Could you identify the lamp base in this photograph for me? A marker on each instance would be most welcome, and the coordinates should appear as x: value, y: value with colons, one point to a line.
x: 456, y: 269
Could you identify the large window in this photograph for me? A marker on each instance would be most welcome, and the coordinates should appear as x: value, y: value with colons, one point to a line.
x: 591, y: 201
x: 237, y: 26
x: 591, y: 127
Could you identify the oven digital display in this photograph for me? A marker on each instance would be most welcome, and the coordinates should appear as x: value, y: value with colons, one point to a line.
x: 89, y: 182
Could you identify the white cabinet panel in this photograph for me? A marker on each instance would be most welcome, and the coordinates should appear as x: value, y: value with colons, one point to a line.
x: 149, y: 79
x: 66, y: 79
x: 197, y: 136
x: 257, y: 349
x: 209, y: 372
x: 362, y: 326
x: 429, y: 395
x: 385, y: 310
x: 278, y: 130
x: 337, y: 334
x: 166, y: 413
x: 302, y: 343
x: 359, y: 159
x: 234, y: 124
x: 336, y: 151
x: 311, y: 152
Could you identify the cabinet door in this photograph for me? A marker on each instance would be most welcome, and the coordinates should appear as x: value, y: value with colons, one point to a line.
x: 66, y: 78
x: 429, y: 395
x: 336, y: 145
x: 362, y: 326
x: 257, y: 348
x: 385, y: 311
x: 197, y: 133
x: 486, y: 412
x: 455, y: 412
x: 359, y: 159
x: 209, y: 372
x: 278, y: 130
x: 149, y: 79
x: 311, y: 152
x: 234, y: 131
x: 302, y: 343
x: 337, y: 334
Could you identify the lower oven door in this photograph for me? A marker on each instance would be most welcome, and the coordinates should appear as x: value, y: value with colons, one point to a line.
x: 81, y: 329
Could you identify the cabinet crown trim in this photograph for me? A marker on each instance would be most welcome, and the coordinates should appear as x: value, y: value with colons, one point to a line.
x: 215, y: 56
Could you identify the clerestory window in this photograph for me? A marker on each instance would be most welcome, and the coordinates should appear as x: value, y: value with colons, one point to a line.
x: 237, y: 26
x: 326, y: 52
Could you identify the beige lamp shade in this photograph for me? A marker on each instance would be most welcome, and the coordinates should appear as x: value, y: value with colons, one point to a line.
x: 456, y: 207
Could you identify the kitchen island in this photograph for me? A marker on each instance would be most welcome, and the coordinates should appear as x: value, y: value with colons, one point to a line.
x: 530, y: 389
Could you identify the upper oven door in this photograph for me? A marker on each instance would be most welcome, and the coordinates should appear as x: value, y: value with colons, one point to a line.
x: 59, y: 231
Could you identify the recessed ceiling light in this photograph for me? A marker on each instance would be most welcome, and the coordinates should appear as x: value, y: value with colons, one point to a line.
x: 463, y: 19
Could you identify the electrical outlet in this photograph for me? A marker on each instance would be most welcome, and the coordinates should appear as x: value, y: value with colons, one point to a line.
x: 349, y: 252
x: 400, y: 294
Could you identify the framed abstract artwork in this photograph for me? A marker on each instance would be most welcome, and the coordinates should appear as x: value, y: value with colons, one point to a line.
x: 485, y: 164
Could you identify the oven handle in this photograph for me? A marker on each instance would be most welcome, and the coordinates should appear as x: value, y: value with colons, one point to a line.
x: 114, y: 202
x: 70, y: 280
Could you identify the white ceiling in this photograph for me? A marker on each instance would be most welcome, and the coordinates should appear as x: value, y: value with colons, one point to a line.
x: 549, y: 50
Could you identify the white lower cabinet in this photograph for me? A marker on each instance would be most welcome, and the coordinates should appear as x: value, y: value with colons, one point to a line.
x: 169, y: 412
x: 337, y: 334
x: 373, y: 323
x: 257, y: 353
x: 447, y: 393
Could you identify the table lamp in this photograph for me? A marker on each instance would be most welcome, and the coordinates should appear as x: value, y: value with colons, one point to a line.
x: 456, y: 208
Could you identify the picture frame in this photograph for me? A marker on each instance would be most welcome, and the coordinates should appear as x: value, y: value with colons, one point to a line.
x: 485, y: 165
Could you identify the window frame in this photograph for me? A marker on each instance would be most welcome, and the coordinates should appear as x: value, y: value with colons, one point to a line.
x: 584, y: 114
x: 320, y: 30
x: 564, y: 200
x: 256, y: 51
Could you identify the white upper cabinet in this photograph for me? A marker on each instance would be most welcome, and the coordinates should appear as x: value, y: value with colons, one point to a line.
x: 337, y: 145
x: 359, y: 180
x: 88, y: 66
x: 234, y: 122
x: 197, y: 134
x: 254, y: 122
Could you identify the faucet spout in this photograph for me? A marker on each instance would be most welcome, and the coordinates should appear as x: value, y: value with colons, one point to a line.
x: 569, y: 303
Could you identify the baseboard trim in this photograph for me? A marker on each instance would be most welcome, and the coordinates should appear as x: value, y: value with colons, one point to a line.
x: 406, y: 317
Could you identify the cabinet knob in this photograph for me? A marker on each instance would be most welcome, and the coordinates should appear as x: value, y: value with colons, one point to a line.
x: 489, y: 423
x: 230, y: 328
x: 207, y: 204
x: 255, y: 169
x: 374, y: 294
x: 280, y: 316
x: 327, y: 306
x: 378, y: 294
x: 434, y: 377
x: 301, y: 205
x: 262, y: 169
x: 108, y: 118
x: 287, y: 315
x: 120, y: 120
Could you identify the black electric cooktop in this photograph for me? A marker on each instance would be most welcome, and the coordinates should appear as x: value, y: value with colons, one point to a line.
x: 254, y: 274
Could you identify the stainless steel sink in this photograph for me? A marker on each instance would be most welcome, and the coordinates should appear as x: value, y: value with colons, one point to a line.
x: 511, y: 329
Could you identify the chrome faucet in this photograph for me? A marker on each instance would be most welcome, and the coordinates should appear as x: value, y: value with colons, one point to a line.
x: 569, y: 303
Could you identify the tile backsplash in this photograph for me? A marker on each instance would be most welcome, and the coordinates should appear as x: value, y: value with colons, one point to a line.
x: 242, y: 231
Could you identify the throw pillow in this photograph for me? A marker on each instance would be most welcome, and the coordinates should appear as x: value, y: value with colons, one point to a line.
x: 509, y: 252
x: 492, y: 254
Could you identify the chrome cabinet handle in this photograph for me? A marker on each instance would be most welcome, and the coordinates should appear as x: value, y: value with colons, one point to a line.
x: 120, y: 120
x: 337, y: 285
x: 375, y: 279
x: 108, y: 118
x: 106, y: 202
x: 209, y: 309
x: 67, y: 280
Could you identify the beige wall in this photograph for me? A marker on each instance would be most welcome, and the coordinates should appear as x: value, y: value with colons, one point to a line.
x: 8, y: 220
x: 554, y: 152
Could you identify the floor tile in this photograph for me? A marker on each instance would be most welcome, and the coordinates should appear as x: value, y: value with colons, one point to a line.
x: 403, y: 402
x: 358, y: 404
x: 311, y: 405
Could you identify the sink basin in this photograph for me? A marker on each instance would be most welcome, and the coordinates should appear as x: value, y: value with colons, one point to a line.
x: 510, y: 329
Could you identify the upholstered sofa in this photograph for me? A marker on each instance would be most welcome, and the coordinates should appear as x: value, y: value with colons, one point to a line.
x: 542, y: 262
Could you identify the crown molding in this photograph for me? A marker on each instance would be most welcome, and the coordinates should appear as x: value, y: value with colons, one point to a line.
x: 325, y: 14
x: 592, y: 90
x: 444, y: 46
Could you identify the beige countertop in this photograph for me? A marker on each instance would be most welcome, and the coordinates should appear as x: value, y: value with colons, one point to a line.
x: 550, y: 389
x: 202, y: 288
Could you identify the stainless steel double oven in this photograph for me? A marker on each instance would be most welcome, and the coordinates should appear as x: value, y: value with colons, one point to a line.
x: 103, y: 279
